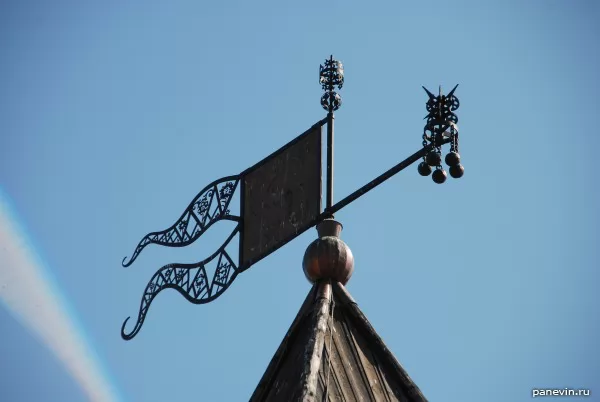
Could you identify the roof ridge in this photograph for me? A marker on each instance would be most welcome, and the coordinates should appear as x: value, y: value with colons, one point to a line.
x: 277, y: 359
x: 316, y: 342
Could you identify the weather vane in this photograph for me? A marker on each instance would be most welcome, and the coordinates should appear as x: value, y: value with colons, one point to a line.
x: 280, y: 198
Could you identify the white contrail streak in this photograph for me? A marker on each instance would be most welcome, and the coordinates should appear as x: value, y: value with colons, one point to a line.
x: 30, y: 296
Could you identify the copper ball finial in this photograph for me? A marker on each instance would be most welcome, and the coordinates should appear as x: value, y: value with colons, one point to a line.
x: 328, y: 257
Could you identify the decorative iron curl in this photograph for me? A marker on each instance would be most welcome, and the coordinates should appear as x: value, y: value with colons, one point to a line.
x: 331, y: 74
x: 196, y: 219
x: 440, y: 109
x: 191, y: 280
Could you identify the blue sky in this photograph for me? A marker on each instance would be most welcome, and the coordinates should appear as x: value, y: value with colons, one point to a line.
x: 113, y: 115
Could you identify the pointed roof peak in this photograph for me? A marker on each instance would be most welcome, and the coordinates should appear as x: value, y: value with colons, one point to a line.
x: 331, y: 352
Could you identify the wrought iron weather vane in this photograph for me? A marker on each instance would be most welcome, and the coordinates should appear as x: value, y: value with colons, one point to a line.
x: 280, y: 198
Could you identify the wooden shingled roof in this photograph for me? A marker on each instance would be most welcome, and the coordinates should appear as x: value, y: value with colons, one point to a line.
x: 350, y: 364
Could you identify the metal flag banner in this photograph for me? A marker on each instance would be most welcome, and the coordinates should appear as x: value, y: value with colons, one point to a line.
x: 280, y: 199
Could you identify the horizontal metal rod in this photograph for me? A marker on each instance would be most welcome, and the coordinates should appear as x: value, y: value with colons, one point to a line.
x: 374, y: 183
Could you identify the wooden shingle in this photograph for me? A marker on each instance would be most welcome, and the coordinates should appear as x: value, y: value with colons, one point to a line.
x: 332, y: 353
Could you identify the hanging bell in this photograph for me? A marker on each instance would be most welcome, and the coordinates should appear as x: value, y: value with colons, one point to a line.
x: 424, y: 169
x: 439, y: 176
x: 433, y: 159
x: 452, y: 159
x: 457, y: 171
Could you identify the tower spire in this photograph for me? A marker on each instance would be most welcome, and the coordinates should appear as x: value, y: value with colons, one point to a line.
x: 331, y: 352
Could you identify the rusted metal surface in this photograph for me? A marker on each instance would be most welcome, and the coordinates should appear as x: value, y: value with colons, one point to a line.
x: 282, y: 197
x: 328, y: 257
x: 353, y: 362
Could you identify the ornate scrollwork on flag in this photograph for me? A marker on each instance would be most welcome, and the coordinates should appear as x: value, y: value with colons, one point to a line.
x: 191, y: 280
x: 208, y: 207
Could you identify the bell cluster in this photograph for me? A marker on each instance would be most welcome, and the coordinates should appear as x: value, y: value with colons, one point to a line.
x: 441, y: 128
x: 433, y: 162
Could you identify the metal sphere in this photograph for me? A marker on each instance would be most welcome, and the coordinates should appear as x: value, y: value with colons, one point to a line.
x: 452, y: 159
x: 331, y: 101
x: 457, y: 171
x: 439, y: 176
x: 433, y: 159
x: 328, y: 257
x: 424, y: 169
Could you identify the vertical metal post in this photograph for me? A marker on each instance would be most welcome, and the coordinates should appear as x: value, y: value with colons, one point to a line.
x: 329, y: 199
x: 331, y: 75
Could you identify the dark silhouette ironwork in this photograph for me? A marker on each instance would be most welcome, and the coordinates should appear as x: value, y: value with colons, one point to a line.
x: 191, y: 280
x: 208, y: 207
x: 331, y: 75
x: 441, y: 127
x: 275, y: 209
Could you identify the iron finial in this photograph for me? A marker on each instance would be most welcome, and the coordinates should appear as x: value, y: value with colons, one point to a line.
x: 331, y: 75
